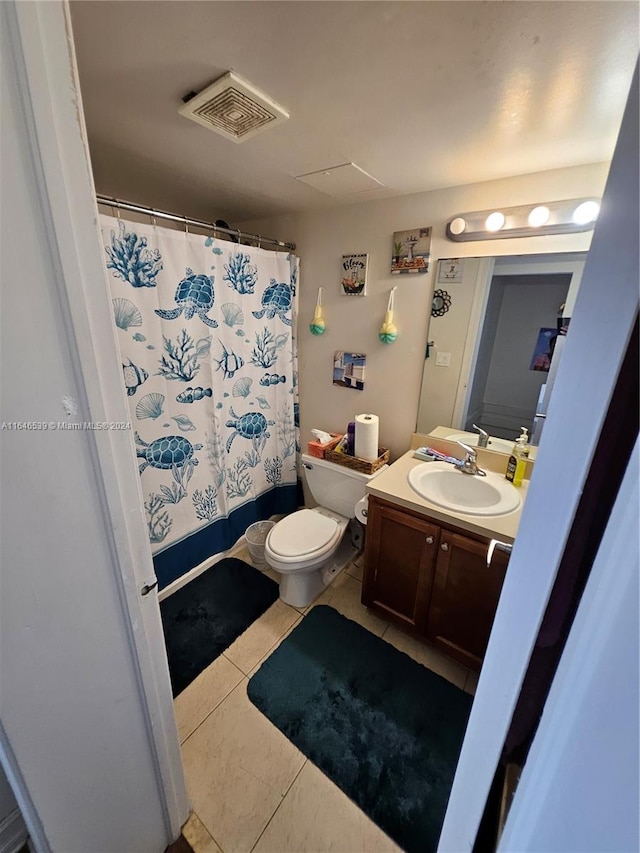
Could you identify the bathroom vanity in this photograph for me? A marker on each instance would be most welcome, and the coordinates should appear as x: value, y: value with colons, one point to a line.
x: 425, y: 568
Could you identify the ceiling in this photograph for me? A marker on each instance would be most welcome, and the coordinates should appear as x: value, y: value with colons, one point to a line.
x: 421, y: 95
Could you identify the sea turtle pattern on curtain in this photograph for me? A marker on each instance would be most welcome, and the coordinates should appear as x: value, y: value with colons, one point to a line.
x: 206, y: 330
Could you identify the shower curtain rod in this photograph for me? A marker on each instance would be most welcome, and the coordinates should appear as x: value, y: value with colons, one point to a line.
x: 186, y: 220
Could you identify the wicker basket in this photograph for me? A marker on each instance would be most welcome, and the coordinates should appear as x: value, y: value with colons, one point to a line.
x: 363, y: 465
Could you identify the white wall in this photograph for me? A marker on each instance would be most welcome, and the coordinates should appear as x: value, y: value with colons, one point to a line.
x: 394, y: 372
x: 74, y: 732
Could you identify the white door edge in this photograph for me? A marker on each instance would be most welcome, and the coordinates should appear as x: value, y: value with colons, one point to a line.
x: 572, y: 706
x: 44, y: 52
x: 472, y: 342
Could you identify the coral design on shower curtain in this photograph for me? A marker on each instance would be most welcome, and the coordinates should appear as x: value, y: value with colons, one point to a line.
x: 211, y: 383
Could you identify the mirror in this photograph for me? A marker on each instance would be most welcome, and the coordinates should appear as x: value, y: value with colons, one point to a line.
x: 497, y: 345
x: 441, y: 303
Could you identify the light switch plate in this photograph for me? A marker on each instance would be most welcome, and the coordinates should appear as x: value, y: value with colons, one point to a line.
x: 443, y: 359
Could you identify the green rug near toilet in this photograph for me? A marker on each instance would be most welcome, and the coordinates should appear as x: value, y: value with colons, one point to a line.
x: 203, y: 618
x: 385, y: 729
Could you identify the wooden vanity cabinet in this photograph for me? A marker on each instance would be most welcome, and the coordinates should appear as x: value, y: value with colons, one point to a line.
x: 431, y: 579
x: 399, y: 561
x: 464, y: 597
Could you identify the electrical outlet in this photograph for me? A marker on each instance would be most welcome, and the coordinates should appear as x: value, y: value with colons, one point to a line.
x: 443, y: 359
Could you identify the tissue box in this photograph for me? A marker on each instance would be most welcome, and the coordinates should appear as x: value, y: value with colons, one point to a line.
x: 315, y: 448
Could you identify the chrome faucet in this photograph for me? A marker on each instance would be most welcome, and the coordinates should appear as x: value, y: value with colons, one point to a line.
x: 469, y: 465
x: 483, y: 440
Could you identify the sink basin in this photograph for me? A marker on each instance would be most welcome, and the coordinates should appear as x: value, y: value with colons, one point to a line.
x: 502, y: 445
x: 442, y: 484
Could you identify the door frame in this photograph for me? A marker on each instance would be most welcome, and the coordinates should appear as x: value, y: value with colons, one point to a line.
x: 53, y: 99
x: 45, y: 67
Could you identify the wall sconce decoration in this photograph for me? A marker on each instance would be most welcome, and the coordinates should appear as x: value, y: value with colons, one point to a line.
x: 318, y: 325
x: 388, y: 332
x: 441, y: 303
x: 526, y: 220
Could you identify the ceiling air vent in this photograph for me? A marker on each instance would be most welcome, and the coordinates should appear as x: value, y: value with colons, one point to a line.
x: 234, y: 108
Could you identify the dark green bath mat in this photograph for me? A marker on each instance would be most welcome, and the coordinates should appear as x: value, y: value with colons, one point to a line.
x: 384, y: 728
x: 203, y: 618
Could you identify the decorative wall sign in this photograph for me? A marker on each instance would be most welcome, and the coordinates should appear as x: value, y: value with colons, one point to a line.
x: 441, y: 303
x: 354, y: 275
x: 411, y: 251
x: 450, y: 270
x: 348, y: 369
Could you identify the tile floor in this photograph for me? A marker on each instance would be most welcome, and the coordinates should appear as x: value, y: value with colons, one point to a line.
x: 251, y: 789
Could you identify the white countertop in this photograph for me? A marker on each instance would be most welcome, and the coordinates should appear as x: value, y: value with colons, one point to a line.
x: 392, y: 485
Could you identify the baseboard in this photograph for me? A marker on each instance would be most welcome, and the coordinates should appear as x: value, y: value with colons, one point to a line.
x: 13, y: 833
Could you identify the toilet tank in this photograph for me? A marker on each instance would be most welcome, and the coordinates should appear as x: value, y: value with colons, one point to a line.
x: 334, y: 486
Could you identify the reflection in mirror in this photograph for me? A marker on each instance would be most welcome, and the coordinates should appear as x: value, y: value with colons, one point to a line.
x: 501, y: 336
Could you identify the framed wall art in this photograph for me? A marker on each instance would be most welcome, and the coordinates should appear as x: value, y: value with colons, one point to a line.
x: 348, y: 369
x: 450, y: 270
x: 543, y: 352
x: 354, y: 275
x: 411, y: 251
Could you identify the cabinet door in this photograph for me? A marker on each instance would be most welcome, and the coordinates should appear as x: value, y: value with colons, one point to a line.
x: 464, y: 597
x: 399, y: 559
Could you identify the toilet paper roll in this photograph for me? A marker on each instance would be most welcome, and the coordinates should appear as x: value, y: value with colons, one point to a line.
x: 362, y: 509
x: 366, y: 440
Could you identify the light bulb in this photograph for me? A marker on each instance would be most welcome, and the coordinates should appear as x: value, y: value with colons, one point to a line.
x: 457, y: 225
x: 495, y: 221
x: 586, y: 212
x: 539, y: 216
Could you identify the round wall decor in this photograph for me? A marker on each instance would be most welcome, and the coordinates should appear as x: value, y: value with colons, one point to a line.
x: 441, y: 303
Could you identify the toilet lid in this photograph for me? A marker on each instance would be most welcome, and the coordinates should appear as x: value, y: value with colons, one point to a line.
x: 301, y: 533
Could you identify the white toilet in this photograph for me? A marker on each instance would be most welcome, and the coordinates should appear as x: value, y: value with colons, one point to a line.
x: 308, y: 548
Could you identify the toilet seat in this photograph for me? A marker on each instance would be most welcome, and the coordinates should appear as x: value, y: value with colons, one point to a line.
x: 304, y: 535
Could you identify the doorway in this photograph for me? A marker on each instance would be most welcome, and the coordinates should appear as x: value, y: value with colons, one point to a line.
x: 522, y: 310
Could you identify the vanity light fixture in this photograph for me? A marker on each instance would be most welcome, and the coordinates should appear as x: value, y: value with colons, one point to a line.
x: 495, y: 221
x: 586, y: 212
x: 527, y: 220
x: 539, y: 216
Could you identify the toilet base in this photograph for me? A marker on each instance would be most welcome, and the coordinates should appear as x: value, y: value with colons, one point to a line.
x: 299, y: 589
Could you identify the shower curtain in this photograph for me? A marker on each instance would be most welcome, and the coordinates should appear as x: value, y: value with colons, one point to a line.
x: 206, y: 330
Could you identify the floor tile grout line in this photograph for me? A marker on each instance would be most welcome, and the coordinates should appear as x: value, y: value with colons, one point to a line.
x: 217, y: 705
x: 304, y: 763
x: 272, y: 649
x: 211, y: 835
x: 269, y: 650
x: 251, y: 626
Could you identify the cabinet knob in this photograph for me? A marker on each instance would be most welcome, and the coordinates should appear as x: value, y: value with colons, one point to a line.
x: 444, y: 547
x: 429, y: 540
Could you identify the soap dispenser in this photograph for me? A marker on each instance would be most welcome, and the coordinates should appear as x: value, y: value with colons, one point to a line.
x: 517, y: 464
